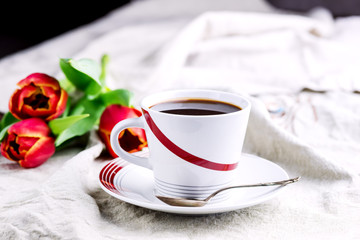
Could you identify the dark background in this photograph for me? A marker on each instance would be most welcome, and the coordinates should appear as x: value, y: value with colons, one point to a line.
x: 27, y: 23
x: 338, y: 8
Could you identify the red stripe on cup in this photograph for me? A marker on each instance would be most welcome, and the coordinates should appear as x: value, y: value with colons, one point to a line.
x: 181, y: 153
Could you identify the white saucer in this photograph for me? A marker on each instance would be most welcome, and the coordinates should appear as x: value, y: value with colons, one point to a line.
x: 135, y: 185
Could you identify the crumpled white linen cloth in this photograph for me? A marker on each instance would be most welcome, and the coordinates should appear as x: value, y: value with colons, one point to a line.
x: 301, y: 76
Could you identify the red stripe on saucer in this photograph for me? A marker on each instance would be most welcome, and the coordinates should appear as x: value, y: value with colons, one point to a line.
x: 182, y: 153
x: 107, y: 175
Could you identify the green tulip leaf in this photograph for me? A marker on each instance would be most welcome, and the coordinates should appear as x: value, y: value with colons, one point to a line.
x: 6, y: 122
x: 3, y: 132
x: 8, y: 119
x: 84, y: 74
x: 77, y: 129
x: 67, y: 108
x: 61, y: 124
x: 67, y: 85
x: 119, y: 96
x: 80, y: 142
x: 87, y: 66
x: 104, y: 63
x: 94, y: 109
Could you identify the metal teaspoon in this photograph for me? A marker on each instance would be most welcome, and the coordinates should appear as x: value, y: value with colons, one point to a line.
x: 186, y: 202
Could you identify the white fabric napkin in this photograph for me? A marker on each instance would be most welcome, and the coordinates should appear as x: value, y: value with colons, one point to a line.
x: 268, y: 57
x: 258, y: 53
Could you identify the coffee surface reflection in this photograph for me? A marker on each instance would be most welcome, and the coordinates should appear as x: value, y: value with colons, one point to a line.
x: 195, y: 107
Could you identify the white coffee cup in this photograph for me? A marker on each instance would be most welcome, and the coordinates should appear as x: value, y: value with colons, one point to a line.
x: 190, y: 155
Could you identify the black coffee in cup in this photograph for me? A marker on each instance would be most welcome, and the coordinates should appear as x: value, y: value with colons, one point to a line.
x: 196, y: 106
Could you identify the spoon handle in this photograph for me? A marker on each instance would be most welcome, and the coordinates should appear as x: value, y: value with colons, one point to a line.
x: 283, y: 183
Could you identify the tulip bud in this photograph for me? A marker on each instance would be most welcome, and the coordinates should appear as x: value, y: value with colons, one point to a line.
x: 39, y: 96
x: 131, y: 139
x: 29, y: 143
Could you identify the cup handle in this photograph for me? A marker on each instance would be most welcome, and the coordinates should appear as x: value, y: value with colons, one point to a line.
x: 114, y: 141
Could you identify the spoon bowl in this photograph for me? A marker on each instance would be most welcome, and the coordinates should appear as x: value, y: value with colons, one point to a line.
x: 188, y: 202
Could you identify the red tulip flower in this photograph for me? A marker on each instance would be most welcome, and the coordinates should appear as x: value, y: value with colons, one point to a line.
x: 39, y: 96
x: 29, y: 143
x: 131, y: 139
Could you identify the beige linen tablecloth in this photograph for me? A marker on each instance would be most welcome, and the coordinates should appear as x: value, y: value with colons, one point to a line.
x: 301, y: 74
